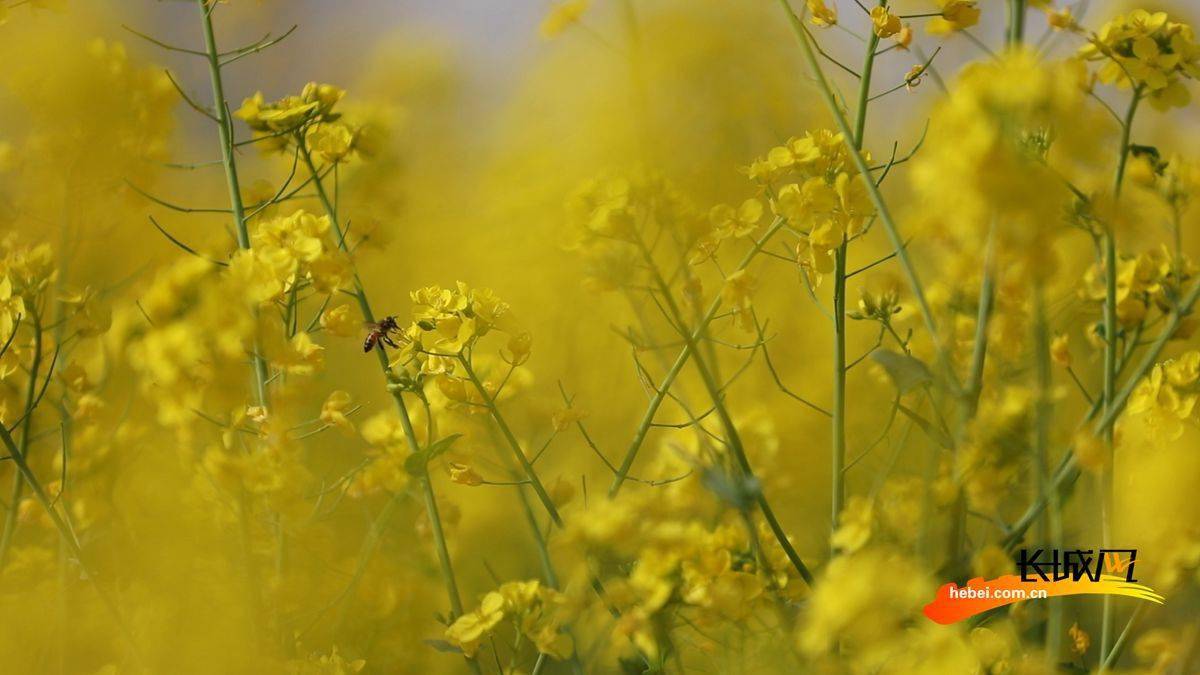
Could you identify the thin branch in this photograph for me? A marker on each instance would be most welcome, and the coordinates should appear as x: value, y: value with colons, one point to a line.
x: 978, y: 43
x: 274, y: 134
x: 881, y: 206
x: 912, y: 152
x: 9, y: 341
x: 837, y: 63
x: 184, y: 246
x: 282, y: 188
x: 264, y: 43
x: 1082, y: 389
x: 587, y: 438
x: 778, y: 381
x: 189, y: 100
x: 174, y: 207
x: 887, y: 427
x: 878, y: 343
x: 164, y: 45
x: 907, y: 81
x: 188, y: 166
x: 882, y: 260
x: 41, y: 392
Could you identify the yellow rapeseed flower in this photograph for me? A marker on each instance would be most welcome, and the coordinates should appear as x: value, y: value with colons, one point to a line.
x: 884, y: 23
x: 822, y: 15
x: 562, y: 16
x: 956, y: 15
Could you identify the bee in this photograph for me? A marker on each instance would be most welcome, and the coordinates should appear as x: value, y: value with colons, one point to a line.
x: 381, y: 332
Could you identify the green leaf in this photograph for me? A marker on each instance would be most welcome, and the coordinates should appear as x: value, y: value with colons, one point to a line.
x: 906, y: 372
x: 738, y: 491
x: 443, y: 646
x: 441, y: 446
x: 416, y: 464
x: 933, y: 432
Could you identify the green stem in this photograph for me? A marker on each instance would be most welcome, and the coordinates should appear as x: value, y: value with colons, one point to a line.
x: 1068, y: 472
x: 14, y: 496
x: 974, y: 384
x: 881, y: 207
x: 1110, y: 361
x: 1110, y: 657
x: 225, y: 132
x: 67, y: 535
x: 864, y: 91
x: 983, y: 318
x: 1052, y: 524
x: 366, y: 552
x: 224, y: 127
x: 513, y: 444
x: 838, y: 416
x: 360, y: 294
x: 1016, y: 22
x: 539, y: 539
x: 547, y: 564
x: 717, y: 397
x: 686, y: 353
x: 414, y: 446
x: 443, y: 556
x: 443, y: 553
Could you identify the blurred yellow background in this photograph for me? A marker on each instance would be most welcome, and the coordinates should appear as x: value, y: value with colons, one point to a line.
x: 485, y: 129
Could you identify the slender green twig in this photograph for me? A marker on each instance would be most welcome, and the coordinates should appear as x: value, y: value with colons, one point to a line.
x: 1110, y: 657
x: 225, y: 133
x: 1068, y: 470
x: 910, y: 81
x: 18, y: 482
x: 184, y: 246
x: 522, y: 461
x: 189, y: 100
x: 733, y: 438
x: 838, y: 418
x: 261, y: 378
x: 873, y: 191
x: 256, y: 47
x: 67, y: 535
x: 169, y: 47
x: 431, y: 509
x: 539, y: 540
x: 1016, y: 22
x: 974, y: 384
x: 677, y: 365
x: 779, y: 380
x: 1052, y: 524
x: 1110, y: 359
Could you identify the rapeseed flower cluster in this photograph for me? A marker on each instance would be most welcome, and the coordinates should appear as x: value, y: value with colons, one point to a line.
x: 812, y: 183
x: 534, y: 610
x: 1149, y: 52
x: 309, y: 115
x: 1014, y: 131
